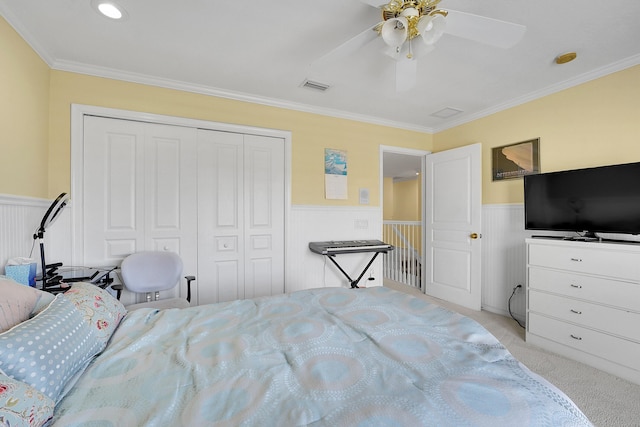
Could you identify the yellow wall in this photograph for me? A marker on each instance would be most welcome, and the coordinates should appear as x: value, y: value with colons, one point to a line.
x: 401, y: 200
x: 311, y: 133
x: 405, y: 198
x: 24, y: 116
x: 593, y: 124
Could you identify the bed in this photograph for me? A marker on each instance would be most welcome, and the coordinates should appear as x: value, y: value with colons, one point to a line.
x: 322, y: 357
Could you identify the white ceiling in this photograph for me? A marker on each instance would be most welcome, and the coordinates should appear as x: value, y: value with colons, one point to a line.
x: 261, y: 51
x: 401, y: 166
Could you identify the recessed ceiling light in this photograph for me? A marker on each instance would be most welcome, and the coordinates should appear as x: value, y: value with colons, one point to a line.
x: 109, y: 9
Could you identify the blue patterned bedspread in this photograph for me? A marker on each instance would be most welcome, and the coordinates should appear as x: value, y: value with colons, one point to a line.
x: 324, y: 357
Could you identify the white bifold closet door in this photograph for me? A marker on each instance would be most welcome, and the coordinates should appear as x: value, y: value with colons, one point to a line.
x: 215, y: 198
x: 240, y: 216
x: 139, y: 192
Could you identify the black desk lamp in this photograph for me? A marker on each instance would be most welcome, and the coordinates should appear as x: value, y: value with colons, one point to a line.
x: 51, y: 215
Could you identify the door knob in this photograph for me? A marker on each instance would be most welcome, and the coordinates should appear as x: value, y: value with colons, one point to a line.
x: 475, y: 235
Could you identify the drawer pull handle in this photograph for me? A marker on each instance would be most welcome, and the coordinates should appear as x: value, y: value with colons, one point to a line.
x: 575, y: 311
x: 575, y: 337
x: 576, y: 286
x: 576, y: 259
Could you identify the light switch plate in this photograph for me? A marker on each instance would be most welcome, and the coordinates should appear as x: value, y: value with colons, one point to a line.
x: 364, y: 196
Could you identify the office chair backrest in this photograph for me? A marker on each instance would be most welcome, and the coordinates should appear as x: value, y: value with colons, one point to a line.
x: 151, y: 271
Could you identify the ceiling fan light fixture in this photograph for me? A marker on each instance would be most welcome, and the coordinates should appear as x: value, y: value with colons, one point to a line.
x: 431, y: 28
x: 410, y: 12
x: 394, y: 31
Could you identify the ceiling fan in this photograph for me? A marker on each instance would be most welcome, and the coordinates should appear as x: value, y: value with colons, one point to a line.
x: 410, y: 29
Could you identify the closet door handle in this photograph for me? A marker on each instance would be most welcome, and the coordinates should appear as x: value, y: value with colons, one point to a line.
x: 576, y: 286
x: 576, y: 259
x: 575, y: 337
x: 575, y: 311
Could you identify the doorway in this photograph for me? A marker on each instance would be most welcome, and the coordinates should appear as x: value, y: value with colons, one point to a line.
x: 403, y: 214
x: 446, y: 264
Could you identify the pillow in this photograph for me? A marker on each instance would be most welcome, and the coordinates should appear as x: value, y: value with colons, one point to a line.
x: 100, y: 310
x: 49, y: 349
x: 16, y: 302
x: 22, y: 405
x: 44, y: 299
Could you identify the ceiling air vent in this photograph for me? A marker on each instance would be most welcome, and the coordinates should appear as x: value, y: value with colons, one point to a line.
x: 310, y: 84
x: 447, y: 112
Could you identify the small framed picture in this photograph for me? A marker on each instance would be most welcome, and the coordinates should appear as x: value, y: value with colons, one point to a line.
x: 515, y: 160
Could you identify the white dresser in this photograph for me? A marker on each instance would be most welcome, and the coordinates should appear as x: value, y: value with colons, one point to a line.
x: 583, y: 302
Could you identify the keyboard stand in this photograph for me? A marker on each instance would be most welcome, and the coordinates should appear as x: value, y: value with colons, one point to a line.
x: 354, y: 283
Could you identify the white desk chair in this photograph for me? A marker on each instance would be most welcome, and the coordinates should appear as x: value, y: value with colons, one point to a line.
x: 152, y: 272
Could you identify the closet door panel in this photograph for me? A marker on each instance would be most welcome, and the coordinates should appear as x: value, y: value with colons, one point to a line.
x: 228, y: 183
x: 163, y: 181
x: 170, y: 198
x: 264, y: 213
x: 227, y: 277
x: 113, y: 188
x: 139, y: 193
x: 220, y: 216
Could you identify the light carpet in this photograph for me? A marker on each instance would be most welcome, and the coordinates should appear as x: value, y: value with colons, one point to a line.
x: 607, y: 400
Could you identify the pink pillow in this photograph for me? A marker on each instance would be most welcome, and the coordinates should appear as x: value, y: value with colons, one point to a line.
x: 23, y: 405
x: 17, y: 302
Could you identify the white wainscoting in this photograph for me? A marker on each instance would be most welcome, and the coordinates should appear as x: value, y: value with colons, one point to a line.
x: 503, y: 259
x: 503, y: 250
x: 19, y: 219
x: 503, y: 265
x: 305, y: 269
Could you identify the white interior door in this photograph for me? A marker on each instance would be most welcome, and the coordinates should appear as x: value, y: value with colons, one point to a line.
x: 139, y: 192
x: 453, y: 208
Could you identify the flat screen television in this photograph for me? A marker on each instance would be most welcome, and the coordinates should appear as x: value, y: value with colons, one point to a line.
x: 587, y: 201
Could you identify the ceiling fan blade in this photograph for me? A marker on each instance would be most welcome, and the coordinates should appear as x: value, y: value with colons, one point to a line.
x: 482, y: 29
x: 406, y: 74
x: 374, y: 3
x: 350, y: 47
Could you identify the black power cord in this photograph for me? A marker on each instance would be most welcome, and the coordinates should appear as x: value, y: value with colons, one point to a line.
x: 510, y: 313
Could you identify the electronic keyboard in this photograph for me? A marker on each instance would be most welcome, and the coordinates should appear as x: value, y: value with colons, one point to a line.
x: 346, y: 246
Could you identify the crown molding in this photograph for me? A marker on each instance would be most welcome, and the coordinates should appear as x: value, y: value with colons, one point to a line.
x: 75, y: 67
x: 110, y: 73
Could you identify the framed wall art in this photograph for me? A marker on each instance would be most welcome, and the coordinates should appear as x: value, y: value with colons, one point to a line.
x: 515, y: 160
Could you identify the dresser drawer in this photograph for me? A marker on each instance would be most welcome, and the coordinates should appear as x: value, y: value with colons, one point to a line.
x: 605, y: 291
x: 618, y: 350
x: 611, y: 320
x: 589, y: 260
